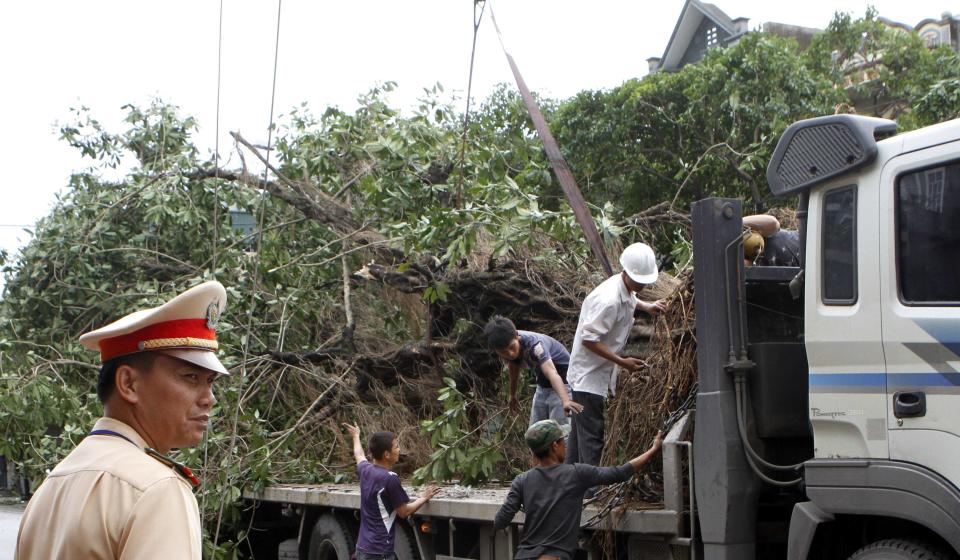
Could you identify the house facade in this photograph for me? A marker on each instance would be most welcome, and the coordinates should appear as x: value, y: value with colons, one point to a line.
x: 934, y: 32
x: 702, y: 26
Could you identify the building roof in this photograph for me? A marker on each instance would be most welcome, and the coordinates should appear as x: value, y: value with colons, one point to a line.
x: 895, y: 24
x: 946, y: 18
x: 690, y: 18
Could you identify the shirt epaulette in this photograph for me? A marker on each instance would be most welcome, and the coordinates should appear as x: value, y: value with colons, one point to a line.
x: 183, y: 470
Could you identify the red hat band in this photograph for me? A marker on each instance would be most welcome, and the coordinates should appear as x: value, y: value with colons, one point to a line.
x: 180, y: 333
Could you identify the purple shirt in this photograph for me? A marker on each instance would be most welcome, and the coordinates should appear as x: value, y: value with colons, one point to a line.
x: 380, y: 494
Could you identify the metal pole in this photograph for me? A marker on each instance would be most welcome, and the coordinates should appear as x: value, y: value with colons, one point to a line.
x: 727, y: 491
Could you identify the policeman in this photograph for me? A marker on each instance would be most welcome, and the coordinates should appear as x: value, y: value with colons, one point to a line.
x: 117, y: 495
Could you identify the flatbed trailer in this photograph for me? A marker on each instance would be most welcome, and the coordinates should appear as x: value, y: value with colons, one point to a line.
x: 320, y: 521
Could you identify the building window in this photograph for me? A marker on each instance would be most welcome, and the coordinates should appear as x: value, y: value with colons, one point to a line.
x: 712, y: 39
x: 928, y: 235
x: 839, y: 246
x: 931, y: 38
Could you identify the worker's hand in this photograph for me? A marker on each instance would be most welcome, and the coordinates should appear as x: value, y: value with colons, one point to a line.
x: 654, y: 307
x: 430, y: 491
x: 657, y: 442
x: 352, y: 430
x: 633, y: 364
x: 514, y: 405
x: 571, y: 407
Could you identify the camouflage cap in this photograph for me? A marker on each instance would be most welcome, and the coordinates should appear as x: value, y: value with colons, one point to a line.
x: 541, y: 435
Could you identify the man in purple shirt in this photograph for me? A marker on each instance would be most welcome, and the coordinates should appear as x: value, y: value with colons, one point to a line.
x: 382, y: 498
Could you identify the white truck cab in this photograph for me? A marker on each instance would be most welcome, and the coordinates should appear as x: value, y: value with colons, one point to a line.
x: 882, y: 305
x: 881, y: 296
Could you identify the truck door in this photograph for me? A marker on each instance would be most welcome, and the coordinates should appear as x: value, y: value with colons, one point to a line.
x: 920, y: 297
x: 843, y: 336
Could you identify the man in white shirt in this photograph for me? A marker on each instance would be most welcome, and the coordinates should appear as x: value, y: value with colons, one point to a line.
x: 606, y: 318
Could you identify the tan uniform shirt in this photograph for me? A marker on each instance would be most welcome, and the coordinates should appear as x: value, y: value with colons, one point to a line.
x: 110, y: 500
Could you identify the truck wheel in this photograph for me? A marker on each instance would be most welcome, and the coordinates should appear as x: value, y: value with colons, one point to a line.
x: 405, y: 546
x: 900, y: 549
x: 331, y: 539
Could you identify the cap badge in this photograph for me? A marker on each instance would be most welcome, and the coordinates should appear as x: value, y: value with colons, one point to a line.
x: 213, y: 314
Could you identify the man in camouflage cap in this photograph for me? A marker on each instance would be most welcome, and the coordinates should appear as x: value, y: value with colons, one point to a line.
x: 551, y: 493
x: 543, y: 434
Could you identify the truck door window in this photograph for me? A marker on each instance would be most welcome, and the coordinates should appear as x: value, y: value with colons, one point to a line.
x: 840, y: 246
x: 928, y: 235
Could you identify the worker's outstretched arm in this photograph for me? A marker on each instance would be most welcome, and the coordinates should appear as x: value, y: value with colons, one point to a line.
x: 642, y: 459
x: 764, y: 224
x: 514, y: 373
x: 602, y: 350
x: 549, y: 370
x: 596, y: 476
x: 406, y: 510
x: 652, y: 307
x: 358, y: 453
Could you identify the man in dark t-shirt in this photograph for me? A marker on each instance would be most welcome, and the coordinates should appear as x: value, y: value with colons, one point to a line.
x: 551, y: 493
x: 546, y: 359
x: 382, y: 498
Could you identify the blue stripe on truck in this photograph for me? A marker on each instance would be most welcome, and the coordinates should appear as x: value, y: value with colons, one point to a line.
x: 848, y: 380
x: 899, y: 380
x: 893, y: 380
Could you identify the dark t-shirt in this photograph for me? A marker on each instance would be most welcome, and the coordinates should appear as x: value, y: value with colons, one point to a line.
x: 781, y: 249
x: 380, y: 494
x: 535, y: 349
x: 552, y: 501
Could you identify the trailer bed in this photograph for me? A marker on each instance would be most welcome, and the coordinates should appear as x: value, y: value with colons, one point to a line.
x: 480, y: 504
x: 468, y: 503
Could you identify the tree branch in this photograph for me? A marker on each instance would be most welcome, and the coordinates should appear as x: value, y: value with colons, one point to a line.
x: 322, y: 208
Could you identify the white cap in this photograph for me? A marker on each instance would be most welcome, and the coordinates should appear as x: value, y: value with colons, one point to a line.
x: 640, y: 264
x: 184, y: 328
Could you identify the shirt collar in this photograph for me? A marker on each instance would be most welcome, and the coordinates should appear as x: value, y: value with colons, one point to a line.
x: 521, y: 335
x: 115, y: 425
x: 625, y: 294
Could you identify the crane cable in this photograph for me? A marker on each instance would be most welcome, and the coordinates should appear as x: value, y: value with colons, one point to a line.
x: 216, y: 206
x: 216, y: 150
x: 466, y: 113
x: 560, y: 168
x: 256, y: 260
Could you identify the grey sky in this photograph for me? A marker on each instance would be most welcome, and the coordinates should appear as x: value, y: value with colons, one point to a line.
x: 103, y: 54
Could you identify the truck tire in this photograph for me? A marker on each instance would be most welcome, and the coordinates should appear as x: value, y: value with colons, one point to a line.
x: 901, y: 549
x: 331, y: 539
x: 405, y: 546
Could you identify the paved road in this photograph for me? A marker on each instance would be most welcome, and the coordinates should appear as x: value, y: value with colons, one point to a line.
x: 9, y: 522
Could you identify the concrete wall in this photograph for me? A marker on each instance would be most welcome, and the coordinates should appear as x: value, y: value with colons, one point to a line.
x: 803, y: 35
